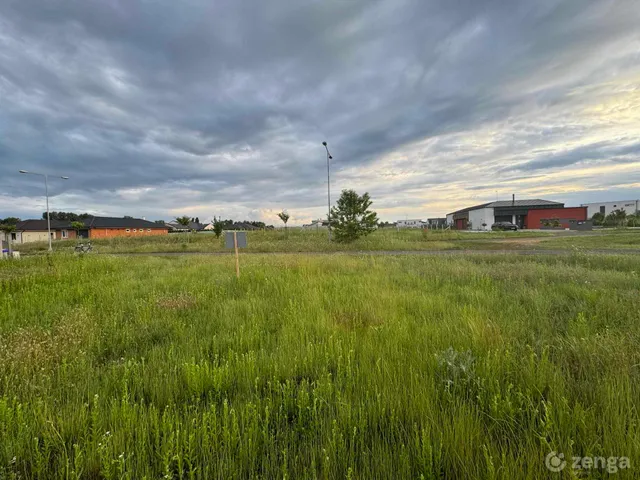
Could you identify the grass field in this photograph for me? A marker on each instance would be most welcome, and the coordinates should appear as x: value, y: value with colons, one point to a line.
x: 317, y: 366
x: 296, y: 240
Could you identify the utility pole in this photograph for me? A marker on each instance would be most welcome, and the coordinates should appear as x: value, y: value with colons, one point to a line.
x: 329, y: 157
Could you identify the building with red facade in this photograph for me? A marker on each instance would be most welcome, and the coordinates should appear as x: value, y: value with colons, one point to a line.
x: 532, y: 214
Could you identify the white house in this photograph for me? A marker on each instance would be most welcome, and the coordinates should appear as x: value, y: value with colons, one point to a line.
x: 316, y: 225
x: 631, y: 207
x: 410, y: 223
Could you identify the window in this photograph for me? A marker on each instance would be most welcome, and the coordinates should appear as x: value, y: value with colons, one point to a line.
x: 65, y: 234
x: 148, y: 230
x: 127, y: 230
x: 13, y: 236
x: 134, y: 230
x: 602, y: 209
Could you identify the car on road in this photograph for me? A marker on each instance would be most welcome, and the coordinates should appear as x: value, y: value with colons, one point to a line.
x: 504, y: 226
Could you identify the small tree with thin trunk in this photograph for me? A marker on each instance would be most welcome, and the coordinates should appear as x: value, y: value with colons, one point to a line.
x: 284, y: 216
x: 218, y: 227
x: 351, y: 218
x: 77, y: 226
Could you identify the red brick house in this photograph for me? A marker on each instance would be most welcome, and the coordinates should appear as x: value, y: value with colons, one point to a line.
x: 109, y: 227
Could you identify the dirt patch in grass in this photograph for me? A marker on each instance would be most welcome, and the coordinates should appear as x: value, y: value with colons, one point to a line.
x: 355, y: 319
x: 182, y: 301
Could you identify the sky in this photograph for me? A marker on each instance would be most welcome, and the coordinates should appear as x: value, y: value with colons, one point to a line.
x: 159, y: 108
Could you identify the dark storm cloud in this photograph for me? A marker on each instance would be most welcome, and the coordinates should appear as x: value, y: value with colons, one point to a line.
x: 226, y: 103
x: 605, y: 150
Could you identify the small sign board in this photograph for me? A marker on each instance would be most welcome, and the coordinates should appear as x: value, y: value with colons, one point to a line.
x: 241, y: 239
x: 236, y: 240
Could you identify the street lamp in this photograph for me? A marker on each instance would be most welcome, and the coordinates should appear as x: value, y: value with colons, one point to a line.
x: 46, y: 193
x: 329, y: 157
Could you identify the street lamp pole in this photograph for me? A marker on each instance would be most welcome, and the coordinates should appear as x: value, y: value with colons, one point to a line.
x: 46, y: 193
x: 329, y: 157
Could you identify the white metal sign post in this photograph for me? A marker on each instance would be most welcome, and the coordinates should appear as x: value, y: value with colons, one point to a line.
x: 236, y: 240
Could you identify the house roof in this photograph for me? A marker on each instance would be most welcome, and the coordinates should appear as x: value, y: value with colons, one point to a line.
x: 536, y: 202
x: 117, y: 222
x: 192, y: 226
x: 524, y: 203
x: 90, y: 222
x: 41, y: 225
x: 241, y: 226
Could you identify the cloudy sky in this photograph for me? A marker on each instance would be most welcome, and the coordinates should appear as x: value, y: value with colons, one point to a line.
x: 160, y: 108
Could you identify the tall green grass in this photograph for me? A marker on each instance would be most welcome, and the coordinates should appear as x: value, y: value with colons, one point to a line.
x: 293, y: 240
x: 317, y: 367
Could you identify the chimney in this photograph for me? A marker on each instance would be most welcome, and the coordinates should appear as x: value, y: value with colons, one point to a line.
x: 513, y: 200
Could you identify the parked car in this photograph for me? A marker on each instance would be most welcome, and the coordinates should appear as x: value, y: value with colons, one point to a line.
x: 504, y: 226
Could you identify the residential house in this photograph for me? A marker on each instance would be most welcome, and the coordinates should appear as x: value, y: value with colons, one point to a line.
x: 316, y: 225
x: 437, y: 222
x: 241, y: 226
x: 175, y: 227
x: 36, y: 231
x: 415, y: 223
x: 108, y: 227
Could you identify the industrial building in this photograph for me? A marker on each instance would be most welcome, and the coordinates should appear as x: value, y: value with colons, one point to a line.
x: 534, y: 213
x: 631, y: 207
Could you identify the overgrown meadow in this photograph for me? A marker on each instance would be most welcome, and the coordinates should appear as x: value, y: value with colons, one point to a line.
x: 317, y: 366
x: 389, y: 239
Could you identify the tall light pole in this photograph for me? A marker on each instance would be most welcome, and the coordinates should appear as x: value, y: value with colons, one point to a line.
x: 46, y: 193
x: 329, y: 157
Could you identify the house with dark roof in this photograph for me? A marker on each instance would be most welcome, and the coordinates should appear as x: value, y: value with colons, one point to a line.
x: 108, y: 227
x: 530, y: 213
x: 95, y: 227
x: 175, y: 227
x: 36, y: 231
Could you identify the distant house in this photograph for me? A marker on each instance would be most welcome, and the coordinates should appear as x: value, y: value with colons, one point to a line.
x: 108, y: 227
x: 29, y: 231
x: 437, y: 222
x: 94, y: 227
x: 316, y: 225
x: 241, y: 226
x: 410, y: 223
x: 175, y: 227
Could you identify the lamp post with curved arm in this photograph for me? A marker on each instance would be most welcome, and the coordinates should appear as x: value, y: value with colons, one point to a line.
x: 46, y: 193
x: 329, y: 157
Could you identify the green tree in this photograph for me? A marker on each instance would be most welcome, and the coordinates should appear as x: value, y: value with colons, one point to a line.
x: 598, y: 218
x: 77, y: 226
x: 284, y: 216
x: 184, y: 221
x: 633, y: 221
x: 617, y: 218
x: 10, y: 221
x: 351, y: 218
x: 218, y: 226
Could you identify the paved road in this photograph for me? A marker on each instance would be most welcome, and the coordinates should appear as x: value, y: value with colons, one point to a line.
x: 397, y: 252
